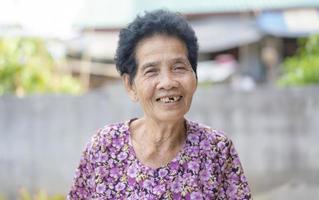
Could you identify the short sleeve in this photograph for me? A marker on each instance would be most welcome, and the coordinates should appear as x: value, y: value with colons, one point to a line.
x: 235, y: 184
x: 81, y: 187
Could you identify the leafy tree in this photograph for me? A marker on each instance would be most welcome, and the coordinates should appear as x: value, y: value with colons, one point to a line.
x: 303, y: 68
x: 27, y: 67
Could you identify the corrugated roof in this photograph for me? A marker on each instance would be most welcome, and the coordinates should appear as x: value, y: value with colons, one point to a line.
x: 210, y: 30
x: 117, y: 13
x: 191, y: 6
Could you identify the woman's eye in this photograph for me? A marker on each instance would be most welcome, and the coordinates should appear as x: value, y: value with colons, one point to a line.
x: 150, y: 72
x: 179, y: 68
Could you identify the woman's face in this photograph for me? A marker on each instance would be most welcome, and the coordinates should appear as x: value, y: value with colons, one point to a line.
x: 165, y: 81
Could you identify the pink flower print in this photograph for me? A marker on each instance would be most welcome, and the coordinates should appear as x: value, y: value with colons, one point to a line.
x: 99, y: 198
x: 194, y: 174
x: 110, y: 163
x: 186, y: 177
x: 122, y: 156
x: 233, y: 151
x: 148, y: 185
x: 233, y: 177
x: 108, y: 194
x: 205, y: 144
x: 196, y: 196
x: 112, y: 132
x: 103, y: 157
x: 81, y: 181
x: 231, y: 190
x: 118, y: 142
x: 133, y: 197
x: 243, y: 178
x: 177, y: 196
x: 83, y: 161
x: 120, y: 187
x: 236, y: 161
x: 105, y: 141
x: 162, y: 172
x: 174, y: 165
x: 194, y: 166
x: 150, y: 196
x: 149, y: 172
x: 194, y: 151
x: 82, y: 192
x: 115, y: 172
x: 101, y: 171
x: 176, y: 186
x: 122, y: 128
x: 132, y: 171
x: 100, y: 188
x: 159, y: 189
x: 221, y: 145
x: 194, y: 138
x: 91, y: 181
x: 204, y: 175
x: 211, y: 137
x: 113, y: 153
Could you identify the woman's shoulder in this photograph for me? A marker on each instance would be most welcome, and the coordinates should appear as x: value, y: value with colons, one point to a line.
x: 206, y: 133
x: 105, y: 135
x: 113, y: 129
x: 211, y: 141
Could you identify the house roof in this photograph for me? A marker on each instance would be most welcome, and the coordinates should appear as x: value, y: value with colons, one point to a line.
x: 115, y: 14
x: 217, y: 33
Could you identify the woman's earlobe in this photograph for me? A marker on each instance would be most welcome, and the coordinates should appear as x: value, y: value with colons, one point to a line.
x: 129, y: 87
x: 135, y: 97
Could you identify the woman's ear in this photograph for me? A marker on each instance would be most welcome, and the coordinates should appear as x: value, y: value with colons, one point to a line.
x: 130, y: 88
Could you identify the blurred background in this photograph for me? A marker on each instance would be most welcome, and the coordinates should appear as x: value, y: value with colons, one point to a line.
x: 258, y: 82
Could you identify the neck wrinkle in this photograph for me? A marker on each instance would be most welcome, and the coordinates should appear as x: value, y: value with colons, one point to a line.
x: 166, y: 136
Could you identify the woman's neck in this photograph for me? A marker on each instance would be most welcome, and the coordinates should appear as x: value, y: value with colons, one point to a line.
x: 157, y: 134
x: 156, y: 143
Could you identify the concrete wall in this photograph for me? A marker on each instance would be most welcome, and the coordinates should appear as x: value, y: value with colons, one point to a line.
x: 276, y: 132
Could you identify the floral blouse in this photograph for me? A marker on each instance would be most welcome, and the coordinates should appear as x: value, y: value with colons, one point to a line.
x: 207, y: 167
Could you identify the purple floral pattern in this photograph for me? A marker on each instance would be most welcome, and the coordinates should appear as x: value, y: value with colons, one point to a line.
x: 208, y: 167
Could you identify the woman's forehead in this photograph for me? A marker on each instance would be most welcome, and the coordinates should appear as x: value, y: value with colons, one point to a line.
x: 160, y: 48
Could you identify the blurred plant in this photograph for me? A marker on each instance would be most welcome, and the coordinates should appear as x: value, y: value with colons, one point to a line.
x: 40, y: 195
x: 2, y: 197
x: 27, y: 67
x: 303, y: 68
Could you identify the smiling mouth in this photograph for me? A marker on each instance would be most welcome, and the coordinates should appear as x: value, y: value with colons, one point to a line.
x: 171, y: 99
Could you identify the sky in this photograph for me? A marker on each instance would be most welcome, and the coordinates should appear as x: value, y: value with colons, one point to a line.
x: 41, y: 17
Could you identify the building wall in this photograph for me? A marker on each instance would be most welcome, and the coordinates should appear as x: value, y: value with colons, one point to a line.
x: 275, y: 132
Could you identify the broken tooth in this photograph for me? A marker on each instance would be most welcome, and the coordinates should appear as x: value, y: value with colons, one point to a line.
x: 165, y: 99
x: 170, y: 99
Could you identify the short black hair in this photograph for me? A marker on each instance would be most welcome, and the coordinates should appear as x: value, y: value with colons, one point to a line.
x: 152, y: 23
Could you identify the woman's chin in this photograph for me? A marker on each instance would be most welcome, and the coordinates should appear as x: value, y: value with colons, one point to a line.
x: 170, y: 117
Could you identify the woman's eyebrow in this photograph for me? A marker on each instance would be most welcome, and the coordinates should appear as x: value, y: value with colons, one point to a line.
x: 180, y: 59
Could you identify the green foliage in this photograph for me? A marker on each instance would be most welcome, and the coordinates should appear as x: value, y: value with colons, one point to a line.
x: 27, y: 67
x: 303, y: 68
x: 24, y: 194
x: 2, y: 197
x: 40, y: 195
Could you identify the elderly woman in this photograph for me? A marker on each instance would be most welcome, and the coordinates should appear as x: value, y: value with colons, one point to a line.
x: 160, y: 155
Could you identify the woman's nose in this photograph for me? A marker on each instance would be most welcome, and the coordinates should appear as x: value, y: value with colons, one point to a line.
x: 167, y: 81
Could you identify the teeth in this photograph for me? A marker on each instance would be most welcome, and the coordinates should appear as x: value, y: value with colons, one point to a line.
x: 169, y: 99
